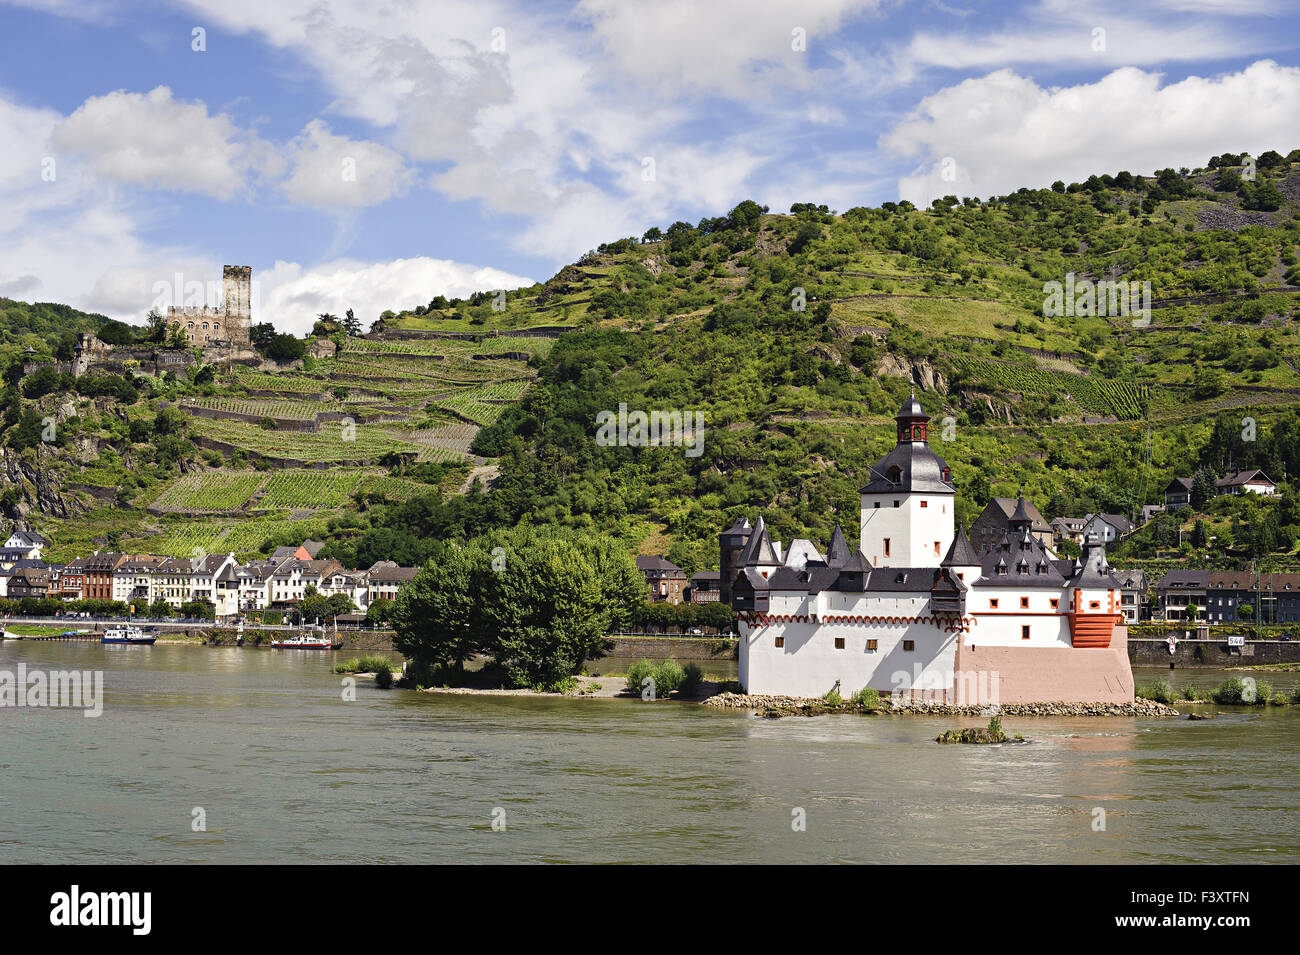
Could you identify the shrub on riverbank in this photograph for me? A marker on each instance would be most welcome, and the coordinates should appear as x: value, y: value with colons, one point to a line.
x: 366, y: 663
x: 666, y: 676
x: 868, y: 699
x: 1160, y: 691
x: 692, y: 677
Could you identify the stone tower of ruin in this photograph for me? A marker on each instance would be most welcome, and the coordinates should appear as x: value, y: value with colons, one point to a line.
x: 237, y: 283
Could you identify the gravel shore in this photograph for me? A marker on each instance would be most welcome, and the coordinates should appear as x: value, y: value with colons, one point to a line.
x: 771, y: 705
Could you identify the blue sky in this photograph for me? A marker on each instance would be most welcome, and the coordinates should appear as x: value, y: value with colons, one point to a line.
x: 373, y: 155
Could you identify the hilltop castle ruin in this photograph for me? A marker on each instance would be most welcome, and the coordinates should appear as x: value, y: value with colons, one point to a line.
x: 227, y: 324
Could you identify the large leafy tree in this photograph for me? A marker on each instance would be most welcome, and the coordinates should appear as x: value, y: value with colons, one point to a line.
x: 539, y: 602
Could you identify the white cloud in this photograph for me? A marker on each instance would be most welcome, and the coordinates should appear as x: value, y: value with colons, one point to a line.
x: 335, y: 171
x: 1070, y: 34
x: 152, y: 140
x: 1003, y: 131
x: 291, y: 296
x: 739, y: 48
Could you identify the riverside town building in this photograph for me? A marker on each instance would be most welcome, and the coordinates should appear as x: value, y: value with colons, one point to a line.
x: 918, y: 609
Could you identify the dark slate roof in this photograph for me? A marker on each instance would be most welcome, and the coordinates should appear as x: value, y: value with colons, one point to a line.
x: 759, y: 551
x: 1019, y: 561
x: 1241, y: 477
x: 838, y: 553
x: 902, y: 579
x: 741, y: 527
x: 710, y: 575
x: 656, y: 562
x: 919, y: 470
x: 1179, y: 482
x: 1006, y: 506
x: 1186, y: 579
x: 961, y: 553
x: 1093, y: 569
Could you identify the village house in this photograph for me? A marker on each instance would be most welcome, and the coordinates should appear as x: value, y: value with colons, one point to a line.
x: 665, y: 581
x: 1253, y: 481
x: 1180, y: 589
x: 1178, y: 493
x: 994, y: 522
x: 384, y: 579
x: 1107, y: 527
x: 1133, y: 588
x: 703, y: 588
x: 1068, y: 529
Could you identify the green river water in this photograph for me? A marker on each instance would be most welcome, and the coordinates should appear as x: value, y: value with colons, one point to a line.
x: 286, y: 771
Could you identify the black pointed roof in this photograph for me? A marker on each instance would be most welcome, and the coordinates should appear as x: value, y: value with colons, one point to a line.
x: 759, y: 551
x: 1093, y: 571
x: 838, y: 553
x: 1021, y: 517
x: 962, y: 552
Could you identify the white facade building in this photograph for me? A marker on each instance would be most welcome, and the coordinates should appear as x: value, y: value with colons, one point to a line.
x: 918, y: 610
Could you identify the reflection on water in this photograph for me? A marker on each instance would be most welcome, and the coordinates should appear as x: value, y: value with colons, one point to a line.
x: 288, y: 771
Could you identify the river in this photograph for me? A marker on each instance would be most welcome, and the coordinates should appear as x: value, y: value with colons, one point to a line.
x: 285, y: 770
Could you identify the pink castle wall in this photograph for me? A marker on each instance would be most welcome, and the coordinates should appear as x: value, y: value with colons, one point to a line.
x: 1050, y: 674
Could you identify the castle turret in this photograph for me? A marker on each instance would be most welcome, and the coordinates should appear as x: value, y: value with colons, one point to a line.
x: 731, y: 543
x: 907, y: 506
x: 1094, y: 603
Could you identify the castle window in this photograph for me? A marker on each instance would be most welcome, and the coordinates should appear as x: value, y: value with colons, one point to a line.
x: 925, y: 503
x: 876, y: 505
x: 894, y: 474
x: 1055, y: 603
x: 909, y: 644
x: 839, y: 643
x: 886, y: 542
x: 1024, y: 632
x: 1094, y: 604
x: 780, y: 641
x: 895, y: 504
x: 1024, y: 603
x: 993, y: 604
x: 872, y: 645
x: 936, y: 548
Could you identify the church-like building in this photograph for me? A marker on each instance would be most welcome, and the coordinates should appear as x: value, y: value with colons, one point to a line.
x: 917, y: 608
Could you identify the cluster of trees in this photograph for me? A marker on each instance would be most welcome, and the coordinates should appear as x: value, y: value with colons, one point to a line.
x: 538, y: 602
x: 717, y: 617
x: 277, y: 346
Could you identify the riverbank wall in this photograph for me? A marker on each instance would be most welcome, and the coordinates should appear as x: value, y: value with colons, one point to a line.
x: 1212, y: 653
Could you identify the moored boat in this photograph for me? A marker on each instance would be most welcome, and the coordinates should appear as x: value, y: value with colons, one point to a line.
x: 311, y: 639
x: 127, y: 634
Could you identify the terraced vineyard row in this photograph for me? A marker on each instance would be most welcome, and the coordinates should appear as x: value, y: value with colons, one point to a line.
x: 262, y: 408
x: 1124, y: 400
x: 282, y: 383
x: 208, y: 491
x: 308, y: 488
x: 361, y: 443
x: 244, y: 538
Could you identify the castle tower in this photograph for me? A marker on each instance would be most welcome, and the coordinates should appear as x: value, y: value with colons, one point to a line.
x: 731, y: 542
x: 236, y: 286
x: 908, y: 505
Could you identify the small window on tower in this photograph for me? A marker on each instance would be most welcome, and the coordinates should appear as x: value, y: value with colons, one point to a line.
x: 895, y: 504
x: 886, y: 542
x: 1024, y: 633
x: 1024, y: 603
x: 1094, y: 604
x: 1055, y: 603
x: 993, y: 604
x: 909, y: 644
x: 780, y: 641
x: 839, y: 643
x: 872, y: 645
x: 876, y: 505
x: 925, y: 503
x: 936, y: 548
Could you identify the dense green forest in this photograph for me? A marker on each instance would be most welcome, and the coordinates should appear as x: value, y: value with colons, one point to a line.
x: 796, y: 337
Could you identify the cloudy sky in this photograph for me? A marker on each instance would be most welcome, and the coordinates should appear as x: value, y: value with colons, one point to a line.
x: 372, y: 154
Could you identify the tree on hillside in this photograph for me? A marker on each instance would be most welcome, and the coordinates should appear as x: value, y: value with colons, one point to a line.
x: 351, y: 324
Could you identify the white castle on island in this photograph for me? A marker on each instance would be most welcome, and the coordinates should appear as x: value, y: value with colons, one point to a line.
x: 917, y: 610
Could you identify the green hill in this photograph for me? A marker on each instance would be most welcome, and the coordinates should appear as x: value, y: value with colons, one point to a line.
x: 795, y: 337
